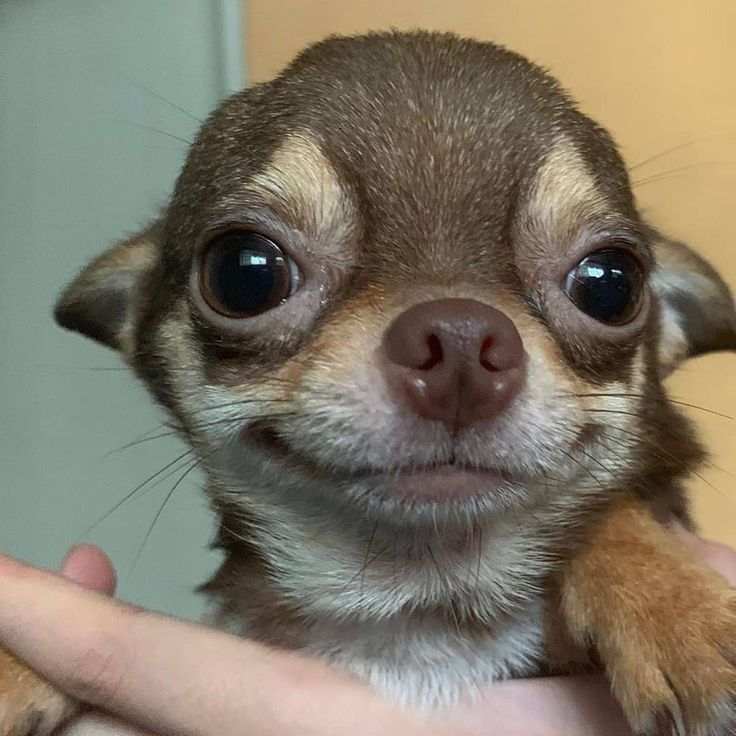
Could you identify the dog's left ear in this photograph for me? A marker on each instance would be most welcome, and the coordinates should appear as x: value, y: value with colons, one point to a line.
x: 697, y: 308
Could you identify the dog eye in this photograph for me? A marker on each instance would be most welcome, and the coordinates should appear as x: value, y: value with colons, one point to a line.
x: 608, y: 285
x: 243, y: 274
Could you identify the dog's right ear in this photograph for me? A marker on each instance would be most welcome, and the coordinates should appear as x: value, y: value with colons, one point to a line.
x: 100, y: 302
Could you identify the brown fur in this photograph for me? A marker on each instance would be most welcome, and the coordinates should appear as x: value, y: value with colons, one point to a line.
x: 663, y: 623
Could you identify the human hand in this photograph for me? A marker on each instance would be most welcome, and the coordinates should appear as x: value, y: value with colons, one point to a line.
x: 170, y: 677
x: 175, y: 678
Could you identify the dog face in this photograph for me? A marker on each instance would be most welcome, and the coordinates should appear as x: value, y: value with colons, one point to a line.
x: 409, y: 278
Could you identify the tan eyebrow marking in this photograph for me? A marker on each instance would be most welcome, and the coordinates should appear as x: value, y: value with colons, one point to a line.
x: 563, y: 197
x: 299, y: 180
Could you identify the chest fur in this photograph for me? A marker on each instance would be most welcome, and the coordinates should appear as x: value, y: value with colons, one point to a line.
x: 423, y: 662
x: 425, y: 626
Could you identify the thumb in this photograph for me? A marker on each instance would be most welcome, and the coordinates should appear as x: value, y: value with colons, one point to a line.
x: 91, y: 568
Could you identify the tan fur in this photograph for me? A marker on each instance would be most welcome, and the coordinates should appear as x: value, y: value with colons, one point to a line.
x: 301, y: 184
x: 563, y: 196
x: 663, y: 623
x: 28, y: 705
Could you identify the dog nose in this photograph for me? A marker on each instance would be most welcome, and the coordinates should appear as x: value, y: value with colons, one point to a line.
x: 457, y: 361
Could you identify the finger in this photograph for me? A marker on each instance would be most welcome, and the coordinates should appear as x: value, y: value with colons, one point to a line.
x: 90, y: 567
x: 544, y: 706
x: 718, y: 556
x: 172, y: 678
x: 721, y: 558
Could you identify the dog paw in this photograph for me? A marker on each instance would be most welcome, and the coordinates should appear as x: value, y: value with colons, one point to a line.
x: 679, y: 675
x: 662, y: 622
x: 28, y: 705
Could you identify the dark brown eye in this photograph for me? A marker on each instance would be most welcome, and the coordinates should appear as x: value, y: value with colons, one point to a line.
x: 243, y: 274
x: 608, y: 285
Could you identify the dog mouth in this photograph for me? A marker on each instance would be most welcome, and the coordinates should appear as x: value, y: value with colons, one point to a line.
x: 448, y: 482
x: 441, y: 482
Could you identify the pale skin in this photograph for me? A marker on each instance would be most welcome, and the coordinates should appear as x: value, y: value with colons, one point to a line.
x: 142, y: 674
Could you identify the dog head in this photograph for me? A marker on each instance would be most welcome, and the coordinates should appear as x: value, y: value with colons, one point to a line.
x: 408, y: 277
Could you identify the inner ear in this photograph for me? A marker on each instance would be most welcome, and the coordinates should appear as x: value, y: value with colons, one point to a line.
x: 100, y: 303
x: 698, y: 314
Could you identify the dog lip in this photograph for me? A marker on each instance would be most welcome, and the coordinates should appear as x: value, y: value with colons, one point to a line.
x: 448, y: 469
x: 443, y: 481
x: 271, y: 442
x: 447, y: 482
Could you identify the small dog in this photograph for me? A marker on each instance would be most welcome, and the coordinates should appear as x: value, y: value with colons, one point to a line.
x: 404, y: 308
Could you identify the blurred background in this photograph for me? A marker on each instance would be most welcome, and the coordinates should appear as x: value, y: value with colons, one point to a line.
x: 99, y: 99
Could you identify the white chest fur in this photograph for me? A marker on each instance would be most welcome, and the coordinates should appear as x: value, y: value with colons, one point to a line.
x: 424, y: 663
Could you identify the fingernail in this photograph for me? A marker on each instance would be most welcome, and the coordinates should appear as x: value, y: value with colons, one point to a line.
x: 68, y: 555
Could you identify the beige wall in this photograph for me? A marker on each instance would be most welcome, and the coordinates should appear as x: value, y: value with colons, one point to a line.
x: 657, y: 73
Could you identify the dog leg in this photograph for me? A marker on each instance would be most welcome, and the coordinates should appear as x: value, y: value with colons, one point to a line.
x: 663, y: 624
x: 29, y: 706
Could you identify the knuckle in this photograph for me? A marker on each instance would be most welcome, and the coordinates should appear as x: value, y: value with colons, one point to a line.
x: 98, y: 673
x: 719, y: 555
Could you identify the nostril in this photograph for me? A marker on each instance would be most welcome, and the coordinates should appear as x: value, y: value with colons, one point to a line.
x: 485, y: 350
x: 453, y: 339
x: 456, y: 361
x: 435, y: 354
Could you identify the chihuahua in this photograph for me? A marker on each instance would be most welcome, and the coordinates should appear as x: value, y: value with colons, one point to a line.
x: 404, y: 308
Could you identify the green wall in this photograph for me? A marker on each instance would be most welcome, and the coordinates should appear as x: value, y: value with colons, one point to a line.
x: 78, y: 169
